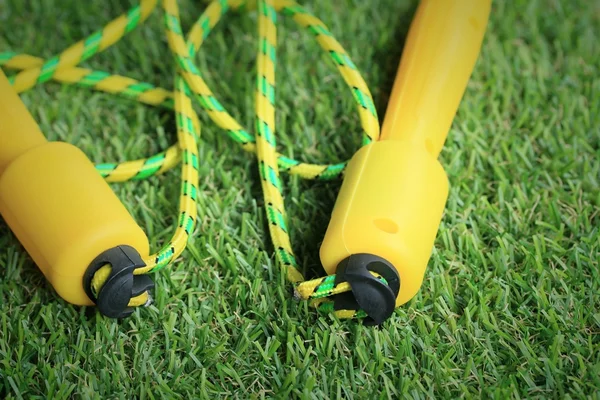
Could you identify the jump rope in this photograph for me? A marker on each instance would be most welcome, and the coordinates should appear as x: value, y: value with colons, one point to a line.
x: 369, y: 274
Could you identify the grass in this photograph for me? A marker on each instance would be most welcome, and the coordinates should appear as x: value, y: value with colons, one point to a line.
x: 510, y: 306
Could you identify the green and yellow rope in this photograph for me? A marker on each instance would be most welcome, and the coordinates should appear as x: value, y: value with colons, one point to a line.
x: 265, y: 141
x: 189, y: 84
x: 84, y: 49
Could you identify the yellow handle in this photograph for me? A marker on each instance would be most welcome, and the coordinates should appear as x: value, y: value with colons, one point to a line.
x: 440, y: 52
x: 394, y: 191
x: 55, y: 201
x: 18, y: 131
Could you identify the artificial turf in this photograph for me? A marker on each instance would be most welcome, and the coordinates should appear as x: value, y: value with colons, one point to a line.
x: 510, y: 305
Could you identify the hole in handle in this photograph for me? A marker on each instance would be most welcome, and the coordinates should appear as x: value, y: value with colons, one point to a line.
x: 386, y: 225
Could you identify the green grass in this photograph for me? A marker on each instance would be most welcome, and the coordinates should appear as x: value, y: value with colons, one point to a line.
x: 510, y: 306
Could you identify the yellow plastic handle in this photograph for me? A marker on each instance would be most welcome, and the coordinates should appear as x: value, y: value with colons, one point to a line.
x: 440, y: 52
x: 18, y: 130
x: 56, y: 203
x: 394, y: 192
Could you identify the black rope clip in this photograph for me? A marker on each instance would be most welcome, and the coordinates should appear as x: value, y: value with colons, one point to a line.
x: 369, y: 293
x: 121, y: 285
